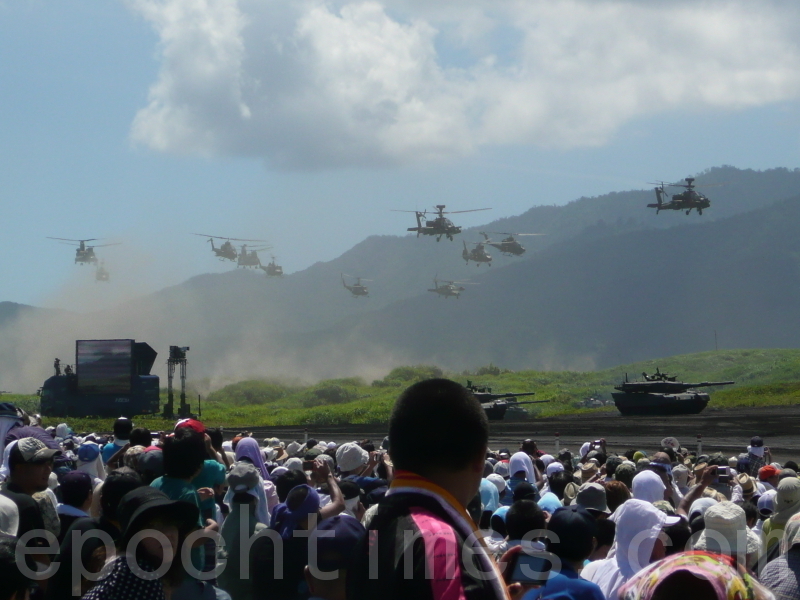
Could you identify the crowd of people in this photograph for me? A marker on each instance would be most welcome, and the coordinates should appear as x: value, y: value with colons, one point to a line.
x: 429, y: 512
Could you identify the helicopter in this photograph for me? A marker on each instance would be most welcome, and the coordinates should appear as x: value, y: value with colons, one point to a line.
x: 101, y: 273
x: 447, y: 288
x: 478, y: 254
x: 249, y: 258
x: 356, y: 289
x: 441, y: 225
x: 272, y: 269
x: 684, y: 201
x: 226, y: 251
x: 83, y: 254
x: 508, y: 246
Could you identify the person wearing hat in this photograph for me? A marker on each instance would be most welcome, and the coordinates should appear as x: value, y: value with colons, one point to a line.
x: 648, y: 486
x: 745, y: 489
x: 787, y: 504
x: 769, y: 477
x: 592, y: 497
x: 782, y: 575
x: 726, y: 532
x: 144, y: 510
x: 758, y: 455
x: 588, y: 471
x: 76, y: 494
x: 30, y: 464
x: 247, y: 518
x: 574, y: 532
x: 335, y: 540
x: 357, y: 465
x: 91, y: 548
x: 637, y: 543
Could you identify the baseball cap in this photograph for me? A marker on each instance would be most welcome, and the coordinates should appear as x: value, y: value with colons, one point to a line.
x: 766, y: 472
x: 337, y: 551
x: 573, y: 525
x: 75, y: 484
x: 7, y: 409
x: 191, y: 424
x: 766, y: 503
x: 34, y: 451
x: 756, y: 441
x: 242, y: 477
x: 88, y: 451
x: 151, y: 461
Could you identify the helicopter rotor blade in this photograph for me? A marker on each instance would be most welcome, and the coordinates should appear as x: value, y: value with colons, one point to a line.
x: 455, y: 212
x: 69, y: 240
x: 218, y: 237
x: 104, y: 245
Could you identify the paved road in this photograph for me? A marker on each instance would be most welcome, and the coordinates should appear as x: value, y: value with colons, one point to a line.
x: 728, y: 431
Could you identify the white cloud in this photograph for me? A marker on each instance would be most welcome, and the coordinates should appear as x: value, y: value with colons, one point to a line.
x: 310, y: 84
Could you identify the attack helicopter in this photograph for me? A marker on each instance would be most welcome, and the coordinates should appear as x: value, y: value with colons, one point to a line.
x: 448, y: 288
x: 508, y: 246
x: 683, y: 201
x: 226, y: 251
x: 272, y: 269
x: 357, y: 289
x: 478, y: 254
x: 441, y: 225
x: 83, y: 254
x: 101, y: 273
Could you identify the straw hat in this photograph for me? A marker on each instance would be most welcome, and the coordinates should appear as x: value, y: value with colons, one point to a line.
x: 747, y: 484
x: 588, y: 470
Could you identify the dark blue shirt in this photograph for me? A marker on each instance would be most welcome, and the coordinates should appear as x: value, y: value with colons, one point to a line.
x: 566, y: 584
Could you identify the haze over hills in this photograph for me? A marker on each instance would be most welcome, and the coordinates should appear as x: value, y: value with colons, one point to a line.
x: 611, y: 282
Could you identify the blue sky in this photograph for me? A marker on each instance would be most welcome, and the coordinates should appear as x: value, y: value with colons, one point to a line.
x: 121, y: 120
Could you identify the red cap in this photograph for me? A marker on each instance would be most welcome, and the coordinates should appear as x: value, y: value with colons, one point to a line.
x: 191, y: 424
x: 766, y: 472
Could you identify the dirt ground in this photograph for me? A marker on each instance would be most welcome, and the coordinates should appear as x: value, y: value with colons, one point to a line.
x: 728, y: 431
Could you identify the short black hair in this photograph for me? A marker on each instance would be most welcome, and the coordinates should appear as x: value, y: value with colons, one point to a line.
x: 497, y: 524
x: 522, y: 517
x: 606, y: 529
x: 574, y: 543
x: 750, y: 510
x: 184, y: 453
x: 440, y: 415
x: 216, y: 437
x: 118, y: 483
x: 122, y: 428
x: 15, y: 584
x: 790, y: 464
x: 558, y: 481
x: 141, y: 437
x: 286, y: 482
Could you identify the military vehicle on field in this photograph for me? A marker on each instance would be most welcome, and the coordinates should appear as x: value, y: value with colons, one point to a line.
x: 659, y: 394
x: 501, y: 406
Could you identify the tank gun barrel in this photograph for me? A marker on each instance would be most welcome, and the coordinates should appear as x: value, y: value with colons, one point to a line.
x: 708, y: 384
x: 489, y: 397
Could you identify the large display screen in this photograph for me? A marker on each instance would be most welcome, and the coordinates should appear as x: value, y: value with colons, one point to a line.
x: 104, y: 366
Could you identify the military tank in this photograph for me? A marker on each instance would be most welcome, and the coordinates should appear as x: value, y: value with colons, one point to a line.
x: 501, y: 406
x: 659, y: 394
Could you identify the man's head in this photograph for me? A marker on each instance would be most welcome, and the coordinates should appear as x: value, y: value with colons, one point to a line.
x: 286, y: 482
x: 524, y: 516
x: 30, y: 463
x: 122, y: 429
x: 529, y: 447
x: 141, y: 437
x: 769, y: 474
x: 438, y: 428
x: 184, y: 453
x: 118, y: 483
x: 558, y: 481
x: 76, y: 489
x: 576, y: 530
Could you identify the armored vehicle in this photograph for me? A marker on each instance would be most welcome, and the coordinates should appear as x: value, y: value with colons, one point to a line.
x: 660, y: 394
x: 499, y: 406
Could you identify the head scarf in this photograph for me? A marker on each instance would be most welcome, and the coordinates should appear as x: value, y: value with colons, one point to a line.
x: 547, y: 459
x: 5, y: 472
x: 648, y: 486
x: 791, y: 533
x: 490, y: 496
x: 585, y: 449
x: 522, y: 462
x: 285, y: 521
x: 549, y: 502
x: 638, y: 525
x: 248, y: 448
x: 729, y: 580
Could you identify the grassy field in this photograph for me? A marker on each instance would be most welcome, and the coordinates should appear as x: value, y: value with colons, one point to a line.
x: 763, y: 377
